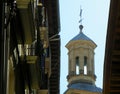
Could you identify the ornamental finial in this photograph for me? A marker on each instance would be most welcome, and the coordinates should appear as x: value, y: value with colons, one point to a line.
x: 81, y: 26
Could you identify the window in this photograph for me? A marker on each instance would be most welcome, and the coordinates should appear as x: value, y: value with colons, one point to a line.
x: 77, y: 64
x: 85, y: 65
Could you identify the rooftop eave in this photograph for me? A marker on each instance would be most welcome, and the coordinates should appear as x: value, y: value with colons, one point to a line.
x: 71, y: 43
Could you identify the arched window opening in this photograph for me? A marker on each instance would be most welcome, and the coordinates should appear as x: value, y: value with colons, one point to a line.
x: 85, y: 65
x: 77, y: 64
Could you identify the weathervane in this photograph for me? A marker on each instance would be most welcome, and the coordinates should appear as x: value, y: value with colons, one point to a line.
x: 81, y: 26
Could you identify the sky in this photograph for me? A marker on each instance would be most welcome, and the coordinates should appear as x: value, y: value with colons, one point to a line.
x: 95, y: 18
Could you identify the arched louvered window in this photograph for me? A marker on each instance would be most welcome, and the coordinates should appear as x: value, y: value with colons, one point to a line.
x: 77, y: 64
x: 85, y: 65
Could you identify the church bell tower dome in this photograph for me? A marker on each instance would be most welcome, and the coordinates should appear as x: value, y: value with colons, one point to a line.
x: 81, y: 59
x: 81, y: 71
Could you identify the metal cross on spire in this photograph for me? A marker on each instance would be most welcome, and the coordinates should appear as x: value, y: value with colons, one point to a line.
x: 81, y: 26
x: 80, y: 15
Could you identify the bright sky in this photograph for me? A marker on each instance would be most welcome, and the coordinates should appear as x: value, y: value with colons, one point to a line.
x: 95, y: 17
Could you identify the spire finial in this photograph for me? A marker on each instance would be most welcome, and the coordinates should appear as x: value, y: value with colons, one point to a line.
x: 81, y: 26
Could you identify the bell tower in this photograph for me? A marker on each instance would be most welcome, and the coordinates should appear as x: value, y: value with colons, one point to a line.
x: 81, y: 59
x: 81, y: 71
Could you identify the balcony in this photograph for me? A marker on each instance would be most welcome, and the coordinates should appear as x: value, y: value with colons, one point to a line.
x: 31, y: 58
x: 26, y: 21
x: 83, y: 78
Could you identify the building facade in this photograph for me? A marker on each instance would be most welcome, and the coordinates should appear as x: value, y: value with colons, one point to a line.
x: 81, y: 73
x: 30, y: 47
x: 111, y: 77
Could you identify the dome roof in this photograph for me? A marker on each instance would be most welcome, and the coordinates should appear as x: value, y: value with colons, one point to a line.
x: 81, y: 36
x: 84, y: 86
